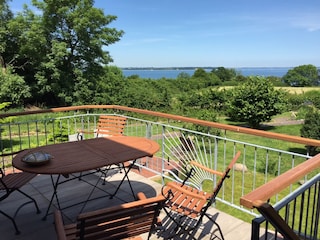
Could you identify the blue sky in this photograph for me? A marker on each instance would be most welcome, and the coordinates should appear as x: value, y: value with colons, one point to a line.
x: 229, y: 33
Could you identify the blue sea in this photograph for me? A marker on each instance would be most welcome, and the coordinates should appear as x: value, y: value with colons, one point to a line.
x: 173, y: 73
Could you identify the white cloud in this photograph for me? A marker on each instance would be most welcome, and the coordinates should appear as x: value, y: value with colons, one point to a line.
x: 310, y: 22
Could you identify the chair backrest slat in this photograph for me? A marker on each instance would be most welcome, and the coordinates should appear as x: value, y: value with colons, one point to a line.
x: 111, y: 125
x: 123, y: 221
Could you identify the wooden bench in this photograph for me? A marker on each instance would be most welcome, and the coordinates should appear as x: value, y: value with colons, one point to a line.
x: 125, y: 221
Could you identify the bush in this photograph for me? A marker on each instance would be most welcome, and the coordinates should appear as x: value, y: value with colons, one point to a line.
x: 13, y: 88
x: 311, y: 128
x: 312, y: 97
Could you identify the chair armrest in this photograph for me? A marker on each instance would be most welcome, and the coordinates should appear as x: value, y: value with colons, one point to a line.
x: 194, y: 163
x: 61, y: 234
x: 230, y: 166
x: 182, y: 189
x: 84, y: 131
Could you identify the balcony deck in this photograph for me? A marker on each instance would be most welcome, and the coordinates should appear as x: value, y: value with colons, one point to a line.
x: 33, y: 227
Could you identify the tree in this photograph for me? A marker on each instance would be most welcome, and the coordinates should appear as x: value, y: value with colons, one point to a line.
x: 202, y: 79
x: 5, y: 16
x: 200, y: 73
x: 112, y: 87
x: 225, y: 74
x: 209, y: 98
x: 311, y: 128
x: 62, y: 51
x: 255, y: 101
x: 302, y: 76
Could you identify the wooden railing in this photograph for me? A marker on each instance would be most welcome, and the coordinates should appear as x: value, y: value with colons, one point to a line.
x: 284, y: 137
x: 276, y: 185
x: 258, y: 198
x: 247, y: 200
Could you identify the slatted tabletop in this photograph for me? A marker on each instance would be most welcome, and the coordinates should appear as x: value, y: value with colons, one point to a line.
x: 79, y: 156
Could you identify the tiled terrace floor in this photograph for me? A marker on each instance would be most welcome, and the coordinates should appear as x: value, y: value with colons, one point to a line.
x: 33, y: 227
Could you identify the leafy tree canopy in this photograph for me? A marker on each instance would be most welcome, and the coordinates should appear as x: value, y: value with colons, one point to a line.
x: 60, y: 51
x: 255, y: 101
x: 225, y: 74
x: 302, y: 76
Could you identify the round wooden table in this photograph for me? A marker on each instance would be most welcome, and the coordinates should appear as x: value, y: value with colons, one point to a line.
x: 91, y: 154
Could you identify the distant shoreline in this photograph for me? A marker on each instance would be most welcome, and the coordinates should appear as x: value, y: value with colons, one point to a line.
x: 173, y: 72
x: 193, y: 68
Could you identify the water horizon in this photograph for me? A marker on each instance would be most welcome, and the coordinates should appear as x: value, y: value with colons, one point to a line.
x: 173, y: 72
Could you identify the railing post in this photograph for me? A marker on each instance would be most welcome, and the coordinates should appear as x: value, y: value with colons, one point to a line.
x: 255, y: 228
x: 215, y: 156
x: 149, y: 131
x: 316, y: 224
x: 162, y: 153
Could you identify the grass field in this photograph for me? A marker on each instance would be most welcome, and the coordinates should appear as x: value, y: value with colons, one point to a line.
x: 299, y: 90
x: 292, y: 90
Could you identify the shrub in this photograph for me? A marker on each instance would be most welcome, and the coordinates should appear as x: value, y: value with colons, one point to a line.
x: 311, y: 128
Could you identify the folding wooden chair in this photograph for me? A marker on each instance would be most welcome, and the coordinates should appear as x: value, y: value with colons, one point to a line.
x: 107, y: 126
x: 125, y: 221
x: 13, y: 182
x: 185, y: 203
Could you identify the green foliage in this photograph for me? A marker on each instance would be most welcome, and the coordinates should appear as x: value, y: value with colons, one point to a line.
x: 207, y: 115
x: 255, y: 101
x: 111, y: 87
x: 312, y: 97
x: 200, y: 73
x: 302, y: 76
x: 13, y: 88
x: 294, y: 101
x: 5, y: 16
x: 147, y: 94
x: 3, y: 106
x: 225, y: 74
x: 208, y: 98
x: 298, y: 101
x: 60, y: 133
x: 311, y: 128
x: 269, y: 166
x: 60, y: 52
x: 276, y: 81
x: 302, y: 111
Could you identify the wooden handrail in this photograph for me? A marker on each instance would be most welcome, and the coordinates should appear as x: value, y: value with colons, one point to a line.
x: 276, y: 185
x: 284, y: 137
